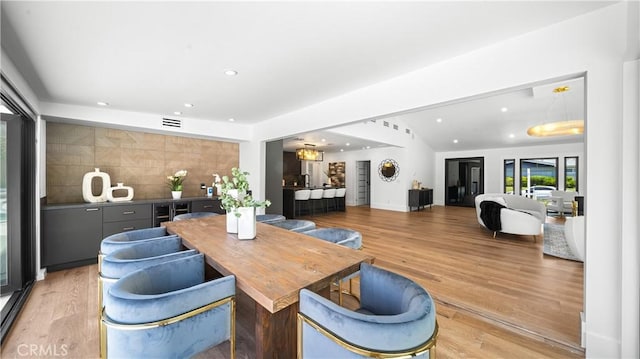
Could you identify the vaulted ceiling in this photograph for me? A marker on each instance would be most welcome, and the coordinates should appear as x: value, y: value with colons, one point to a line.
x: 155, y: 57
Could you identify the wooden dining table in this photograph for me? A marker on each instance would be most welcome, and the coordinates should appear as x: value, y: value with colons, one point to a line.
x: 271, y: 269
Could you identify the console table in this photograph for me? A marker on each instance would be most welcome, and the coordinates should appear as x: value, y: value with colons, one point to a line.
x: 420, y: 198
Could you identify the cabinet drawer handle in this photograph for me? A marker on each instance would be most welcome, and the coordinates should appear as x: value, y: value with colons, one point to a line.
x: 92, y: 209
x: 128, y: 212
x: 128, y: 228
x: 207, y: 206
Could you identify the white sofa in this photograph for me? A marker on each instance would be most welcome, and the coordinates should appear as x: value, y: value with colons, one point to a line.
x: 523, y: 215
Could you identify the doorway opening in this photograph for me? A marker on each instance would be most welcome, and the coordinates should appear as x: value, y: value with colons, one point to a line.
x: 363, y: 185
x: 464, y: 180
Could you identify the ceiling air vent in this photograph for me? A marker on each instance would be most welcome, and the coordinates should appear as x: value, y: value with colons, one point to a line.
x: 385, y: 123
x: 170, y: 122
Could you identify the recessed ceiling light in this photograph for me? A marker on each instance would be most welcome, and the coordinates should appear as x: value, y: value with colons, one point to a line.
x: 455, y: 141
x: 102, y: 103
x: 230, y: 72
x: 368, y: 147
x: 188, y: 105
x: 511, y: 135
x: 347, y: 144
x: 232, y: 119
x: 177, y: 113
x: 438, y: 120
x: 323, y: 140
x: 504, y: 109
x: 342, y: 150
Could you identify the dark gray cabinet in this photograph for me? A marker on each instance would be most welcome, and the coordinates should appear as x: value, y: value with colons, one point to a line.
x: 207, y: 205
x: 420, y: 198
x: 125, y: 217
x: 71, y: 236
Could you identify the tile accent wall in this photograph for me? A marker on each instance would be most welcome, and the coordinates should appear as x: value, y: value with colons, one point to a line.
x: 138, y: 159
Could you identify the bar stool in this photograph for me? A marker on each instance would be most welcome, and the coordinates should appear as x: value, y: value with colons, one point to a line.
x: 329, y: 195
x: 340, y: 198
x: 316, y: 195
x: 302, y: 196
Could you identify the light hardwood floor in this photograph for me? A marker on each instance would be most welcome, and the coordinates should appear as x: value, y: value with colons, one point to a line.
x: 495, y: 298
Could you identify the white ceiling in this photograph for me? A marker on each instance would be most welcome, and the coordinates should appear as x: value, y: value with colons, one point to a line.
x: 154, y: 57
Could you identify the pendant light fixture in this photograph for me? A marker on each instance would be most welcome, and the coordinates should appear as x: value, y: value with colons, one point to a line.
x: 558, y: 128
x: 309, y: 153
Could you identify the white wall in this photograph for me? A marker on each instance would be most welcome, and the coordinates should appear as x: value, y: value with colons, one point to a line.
x: 494, y: 165
x: 630, y: 269
x: 416, y: 161
x: 595, y: 44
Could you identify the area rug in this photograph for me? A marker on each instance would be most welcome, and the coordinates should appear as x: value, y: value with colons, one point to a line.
x: 554, y: 242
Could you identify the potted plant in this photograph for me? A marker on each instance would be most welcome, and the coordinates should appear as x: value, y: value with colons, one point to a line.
x: 175, y: 183
x: 240, y: 206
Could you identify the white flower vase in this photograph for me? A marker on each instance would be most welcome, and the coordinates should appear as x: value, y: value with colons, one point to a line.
x: 247, y: 223
x: 232, y: 222
x: 176, y: 194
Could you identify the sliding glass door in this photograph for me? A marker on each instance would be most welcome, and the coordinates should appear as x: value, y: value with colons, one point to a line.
x: 17, y: 208
x: 10, y: 203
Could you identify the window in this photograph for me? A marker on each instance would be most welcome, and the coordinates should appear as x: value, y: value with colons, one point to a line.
x: 538, y: 176
x: 509, y: 175
x: 571, y: 174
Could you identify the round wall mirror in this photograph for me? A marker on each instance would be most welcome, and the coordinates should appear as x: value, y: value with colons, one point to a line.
x: 388, y: 170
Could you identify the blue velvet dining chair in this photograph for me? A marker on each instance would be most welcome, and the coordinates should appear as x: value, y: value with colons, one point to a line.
x: 193, y: 215
x: 344, y: 237
x: 270, y: 218
x: 115, y: 241
x: 397, y: 318
x: 295, y: 225
x: 137, y: 256
x: 168, y: 311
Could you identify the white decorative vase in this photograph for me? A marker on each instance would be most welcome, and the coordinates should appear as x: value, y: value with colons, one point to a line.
x: 176, y: 194
x: 247, y: 223
x: 87, y: 181
x: 232, y: 222
x: 121, y: 187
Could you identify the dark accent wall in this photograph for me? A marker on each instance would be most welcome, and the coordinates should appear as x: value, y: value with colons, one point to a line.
x: 273, y: 173
x: 291, y: 169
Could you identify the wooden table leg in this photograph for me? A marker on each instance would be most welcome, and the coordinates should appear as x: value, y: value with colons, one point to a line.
x: 276, y: 332
x: 276, y: 335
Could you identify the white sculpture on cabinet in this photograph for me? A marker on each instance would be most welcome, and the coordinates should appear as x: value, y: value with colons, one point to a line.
x: 120, y: 186
x: 87, y: 181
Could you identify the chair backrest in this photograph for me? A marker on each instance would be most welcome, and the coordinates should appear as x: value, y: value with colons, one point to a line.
x: 116, y: 241
x: 183, y: 314
x: 329, y: 193
x: 316, y: 193
x: 193, y: 215
x: 397, y: 315
x: 270, y: 218
x: 342, y: 236
x: 302, y: 195
x: 341, y: 192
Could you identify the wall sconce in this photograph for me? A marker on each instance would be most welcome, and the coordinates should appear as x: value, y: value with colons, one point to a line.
x: 309, y: 153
